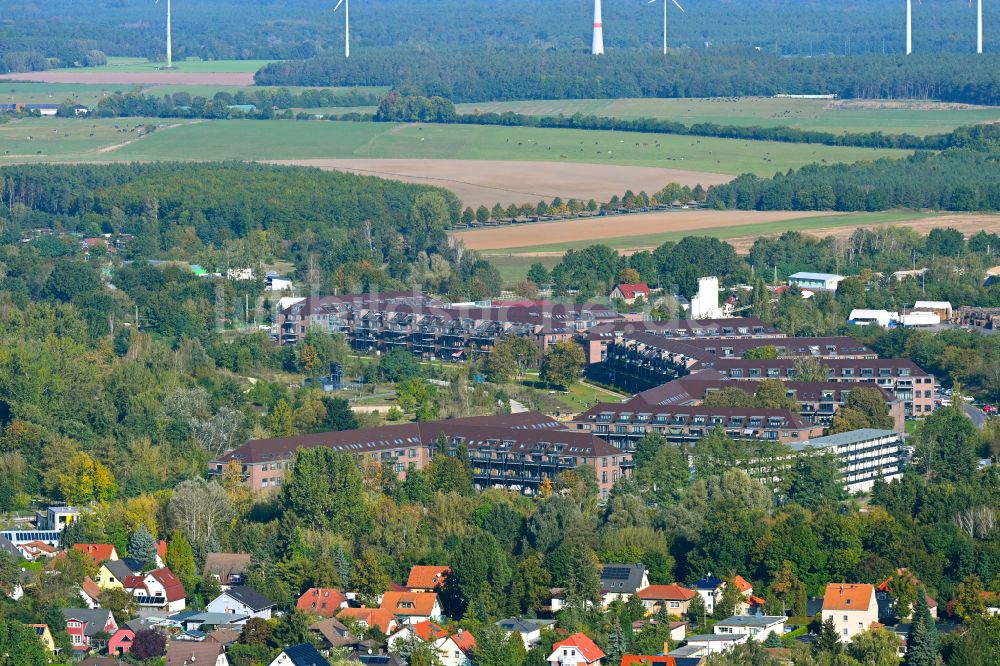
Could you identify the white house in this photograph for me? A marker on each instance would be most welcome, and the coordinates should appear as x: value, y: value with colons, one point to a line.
x: 621, y: 581
x: 577, y: 650
x: 412, y: 607
x: 303, y: 654
x: 241, y: 600
x: 529, y: 630
x: 807, y: 280
x: 853, y: 607
x: 159, y: 590
x: 703, y: 645
x: 710, y: 589
x: 755, y: 627
x: 451, y: 649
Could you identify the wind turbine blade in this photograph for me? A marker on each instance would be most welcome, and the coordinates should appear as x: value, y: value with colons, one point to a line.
x: 338, y: 5
x: 650, y: 2
x: 678, y: 5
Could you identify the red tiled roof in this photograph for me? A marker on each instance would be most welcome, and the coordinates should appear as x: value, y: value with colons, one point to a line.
x: 171, y: 583
x: 647, y: 660
x: 373, y: 617
x: 465, y: 641
x: 672, y: 592
x: 91, y: 589
x: 742, y: 583
x: 884, y: 585
x: 314, y: 599
x: 429, y: 631
x: 581, y: 642
x: 409, y: 603
x: 161, y: 548
x: 848, y: 596
x: 633, y: 290
x: 427, y: 577
x: 98, y: 551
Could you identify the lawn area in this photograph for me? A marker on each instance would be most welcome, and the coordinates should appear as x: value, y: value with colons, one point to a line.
x: 56, y: 93
x: 580, y: 396
x: 897, y: 117
x: 249, y: 139
x: 190, y: 65
x: 41, y: 140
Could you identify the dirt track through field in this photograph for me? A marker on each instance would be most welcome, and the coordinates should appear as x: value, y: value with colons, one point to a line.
x: 600, y: 228
x: 136, y: 78
x: 487, y: 182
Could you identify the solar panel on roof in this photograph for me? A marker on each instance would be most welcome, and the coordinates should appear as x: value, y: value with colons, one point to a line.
x: 615, y: 573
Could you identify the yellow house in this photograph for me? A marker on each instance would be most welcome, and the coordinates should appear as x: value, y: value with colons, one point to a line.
x: 112, y: 574
x: 42, y: 630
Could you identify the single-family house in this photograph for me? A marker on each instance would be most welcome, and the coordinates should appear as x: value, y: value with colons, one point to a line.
x: 710, y: 589
x: 121, y: 641
x: 371, y: 618
x: 194, y: 621
x: 303, y: 654
x: 98, y: 552
x: 36, y: 550
x: 85, y: 624
x: 807, y: 280
x: 853, y: 607
x: 194, y: 653
x: 90, y: 592
x: 322, y: 601
x: 412, y: 607
x: 678, y: 628
x: 530, y: 630
x: 112, y: 573
x: 621, y: 581
x: 44, y: 635
x: 676, y: 598
x: 630, y: 293
x: 756, y: 627
x: 241, y: 600
x: 577, y: 650
x: 703, y: 645
x: 887, y: 602
x: 424, y: 578
x: 227, y: 568
x: 452, y: 649
x: 160, y: 590
x: 332, y: 633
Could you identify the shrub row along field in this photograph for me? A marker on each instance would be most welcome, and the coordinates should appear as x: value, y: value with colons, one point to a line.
x: 291, y: 140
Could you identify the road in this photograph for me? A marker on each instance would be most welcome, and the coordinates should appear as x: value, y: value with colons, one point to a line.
x: 978, y: 416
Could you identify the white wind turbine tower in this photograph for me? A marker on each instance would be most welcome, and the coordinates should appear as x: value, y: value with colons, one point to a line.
x: 979, y: 26
x: 170, y: 59
x: 909, y: 27
x: 597, y: 46
x: 347, y: 25
x: 665, y: 20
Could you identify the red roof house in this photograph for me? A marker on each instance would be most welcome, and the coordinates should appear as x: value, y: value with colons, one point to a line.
x: 648, y: 660
x: 322, y: 601
x: 427, y: 578
x: 99, y: 552
x: 630, y: 292
x: 576, y: 650
x: 121, y: 641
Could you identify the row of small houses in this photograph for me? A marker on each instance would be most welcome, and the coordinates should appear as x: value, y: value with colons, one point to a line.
x: 413, y: 612
x: 44, y: 109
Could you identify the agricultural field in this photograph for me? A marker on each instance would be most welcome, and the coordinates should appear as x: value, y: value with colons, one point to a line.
x: 546, y: 242
x: 136, y: 65
x: 39, y: 140
x: 136, y: 71
x: 295, y: 140
x: 889, y: 116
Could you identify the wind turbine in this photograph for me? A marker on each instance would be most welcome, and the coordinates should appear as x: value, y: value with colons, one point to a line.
x: 909, y: 27
x: 170, y: 59
x: 665, y: 20
x: 979, y: 26
x: 347, y: 25
x: 597, y: 45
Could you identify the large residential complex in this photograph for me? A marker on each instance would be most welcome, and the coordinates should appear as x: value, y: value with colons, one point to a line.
x: 431, y: 329
x: 516, y: 451
x: 865, y: 456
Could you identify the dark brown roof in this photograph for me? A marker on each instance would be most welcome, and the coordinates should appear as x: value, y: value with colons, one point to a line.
x: 789, y: 420
x: 694, y: 387
x: 687, y: 328
x: 725, y: 364
x: 225, y: 564
x: 396, y: 436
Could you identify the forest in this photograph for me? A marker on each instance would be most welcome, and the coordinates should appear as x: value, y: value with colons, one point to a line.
x: 480, y: 76
x: 963, y: 178
x: 32, y: 35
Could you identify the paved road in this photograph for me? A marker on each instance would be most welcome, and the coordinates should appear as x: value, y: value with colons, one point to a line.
x: 978, y: 416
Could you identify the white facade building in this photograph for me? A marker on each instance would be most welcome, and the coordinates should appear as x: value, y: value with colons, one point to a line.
x: 865, y: 455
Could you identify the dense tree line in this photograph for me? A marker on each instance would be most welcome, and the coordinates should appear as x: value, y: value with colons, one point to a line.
x: 220, y: 29
x: 963, y: 178
x: 477, y: 76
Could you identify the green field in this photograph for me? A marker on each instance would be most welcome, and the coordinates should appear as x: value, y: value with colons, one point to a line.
x: 513, y: 263
x: 56, y: 93
x: 57, y: 140
x: 248, y: 139
x: 915, y: 118
x: 193, y: 66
